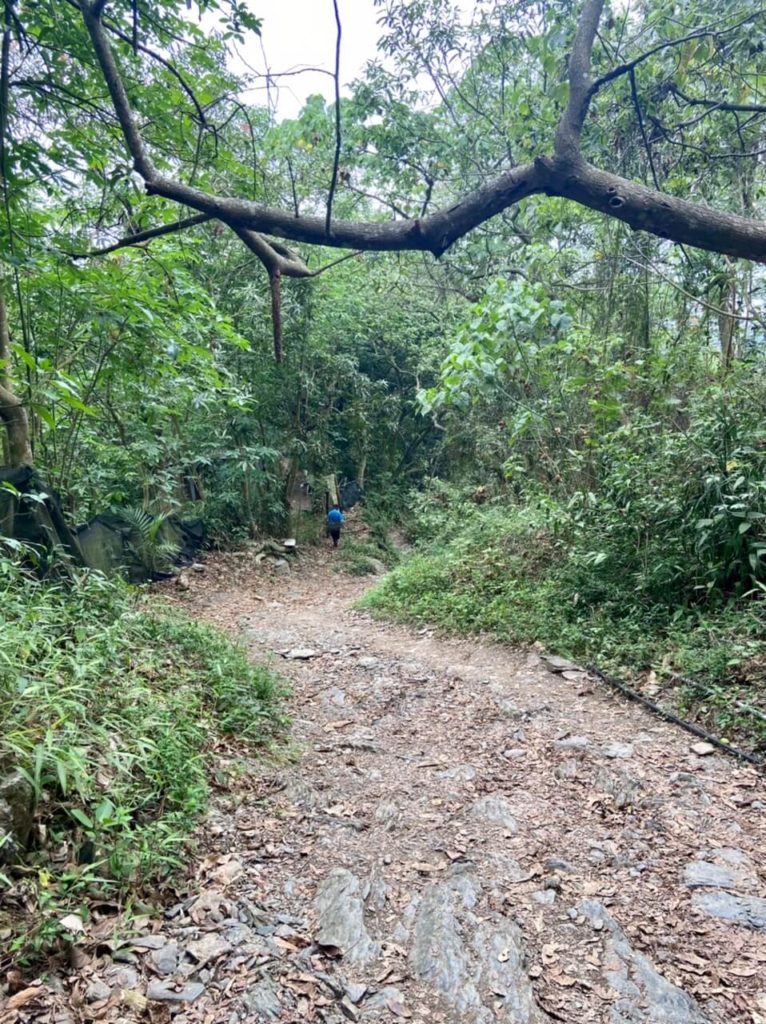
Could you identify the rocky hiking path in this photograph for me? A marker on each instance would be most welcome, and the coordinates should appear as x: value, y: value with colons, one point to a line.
x: 457, y: 835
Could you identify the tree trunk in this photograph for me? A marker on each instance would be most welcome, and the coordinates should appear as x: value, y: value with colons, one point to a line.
x: 12, y: 411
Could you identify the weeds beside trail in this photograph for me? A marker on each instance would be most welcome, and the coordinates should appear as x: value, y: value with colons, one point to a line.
x: 109, y: 711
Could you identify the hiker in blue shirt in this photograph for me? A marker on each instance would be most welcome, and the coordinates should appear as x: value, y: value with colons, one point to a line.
x: 335, y: 520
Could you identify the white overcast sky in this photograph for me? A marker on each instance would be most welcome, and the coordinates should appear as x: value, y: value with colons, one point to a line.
x: 300, y: 33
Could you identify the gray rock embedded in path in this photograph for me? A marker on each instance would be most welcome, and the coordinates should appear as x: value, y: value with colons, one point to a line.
x: 495, y: 809
x: 163, y: 992
x: 97, y: 991
x: 514, y: 754
x: 471, y: 963
x: 722, y: 868
x: 572, y: 743
x: 385, y: 999
x: 121, y: 976
x: 459, y: 773
x: 439, y: 954
x: 567, y: 769
x: 618, y: 750
x: 555, y: 664
x: 206, y: 949
x: 545, y: 896
x: 388, y: 813
x: 749, y: 911
x: 165, y: 959
x: 340, y: 909
x: 16, y: 815
x: 623, y: 789
x: 262, y: 1001
x: 301, y: 654
x: 368, y: 662
x: 356, y: 992
x: 498, y: 947
x: 701, y: 874
x: 645, y: 996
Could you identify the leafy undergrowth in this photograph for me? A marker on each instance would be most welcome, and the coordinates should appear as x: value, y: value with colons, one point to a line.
x: 514, y: 574
x: 366, y: 547
x: 110, y: 711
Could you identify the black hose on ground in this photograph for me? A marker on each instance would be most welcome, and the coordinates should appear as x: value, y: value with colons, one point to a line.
x: 668, y: 716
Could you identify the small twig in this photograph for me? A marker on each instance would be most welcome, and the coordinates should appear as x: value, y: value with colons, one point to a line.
x: 338, y: 137
x: 144, y: 236
x: 328, y: 266
x: 647, y: 146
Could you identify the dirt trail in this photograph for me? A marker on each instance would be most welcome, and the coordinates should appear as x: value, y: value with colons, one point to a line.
x: 459, y: 836
x: 472, y: 837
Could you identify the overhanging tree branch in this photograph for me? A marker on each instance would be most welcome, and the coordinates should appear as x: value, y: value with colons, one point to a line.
x: 568, y: 132
x: 564, y: 173
x: 698, y: 33
x: 738, y: 108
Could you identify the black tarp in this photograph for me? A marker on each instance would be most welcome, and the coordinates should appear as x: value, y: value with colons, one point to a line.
x: 350, y: 493
x: 30, y: 512
x: 110, y: 543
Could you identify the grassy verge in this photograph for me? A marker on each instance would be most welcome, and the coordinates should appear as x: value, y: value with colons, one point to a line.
x: 510, y: 573
x: 111, y: 712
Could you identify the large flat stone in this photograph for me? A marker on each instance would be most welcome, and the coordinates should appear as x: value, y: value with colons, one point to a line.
x: 645, y: 996
x: 340, y: 909
x: 722, y: 868
x: 439, y: 954
x: 261, y: 1001
x: 748, y: 911
x: 477, y: 966
x: 503, y: 975
x: 495, y: 809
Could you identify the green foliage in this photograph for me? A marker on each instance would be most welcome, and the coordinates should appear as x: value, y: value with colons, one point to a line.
x: 111, y: 711
x: 530, y: 573
x: 153, y: 552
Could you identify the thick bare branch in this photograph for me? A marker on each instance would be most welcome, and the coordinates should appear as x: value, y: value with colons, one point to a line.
x: 567, y: 142
x: 275, y: 287
x: 91, y: 14
x: 566, y: 174
x: 271, y: 254
x: 432, y: 234
x: 645, y: 209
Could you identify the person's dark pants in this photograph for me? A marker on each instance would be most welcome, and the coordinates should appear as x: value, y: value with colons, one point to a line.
x: 335, y: 534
